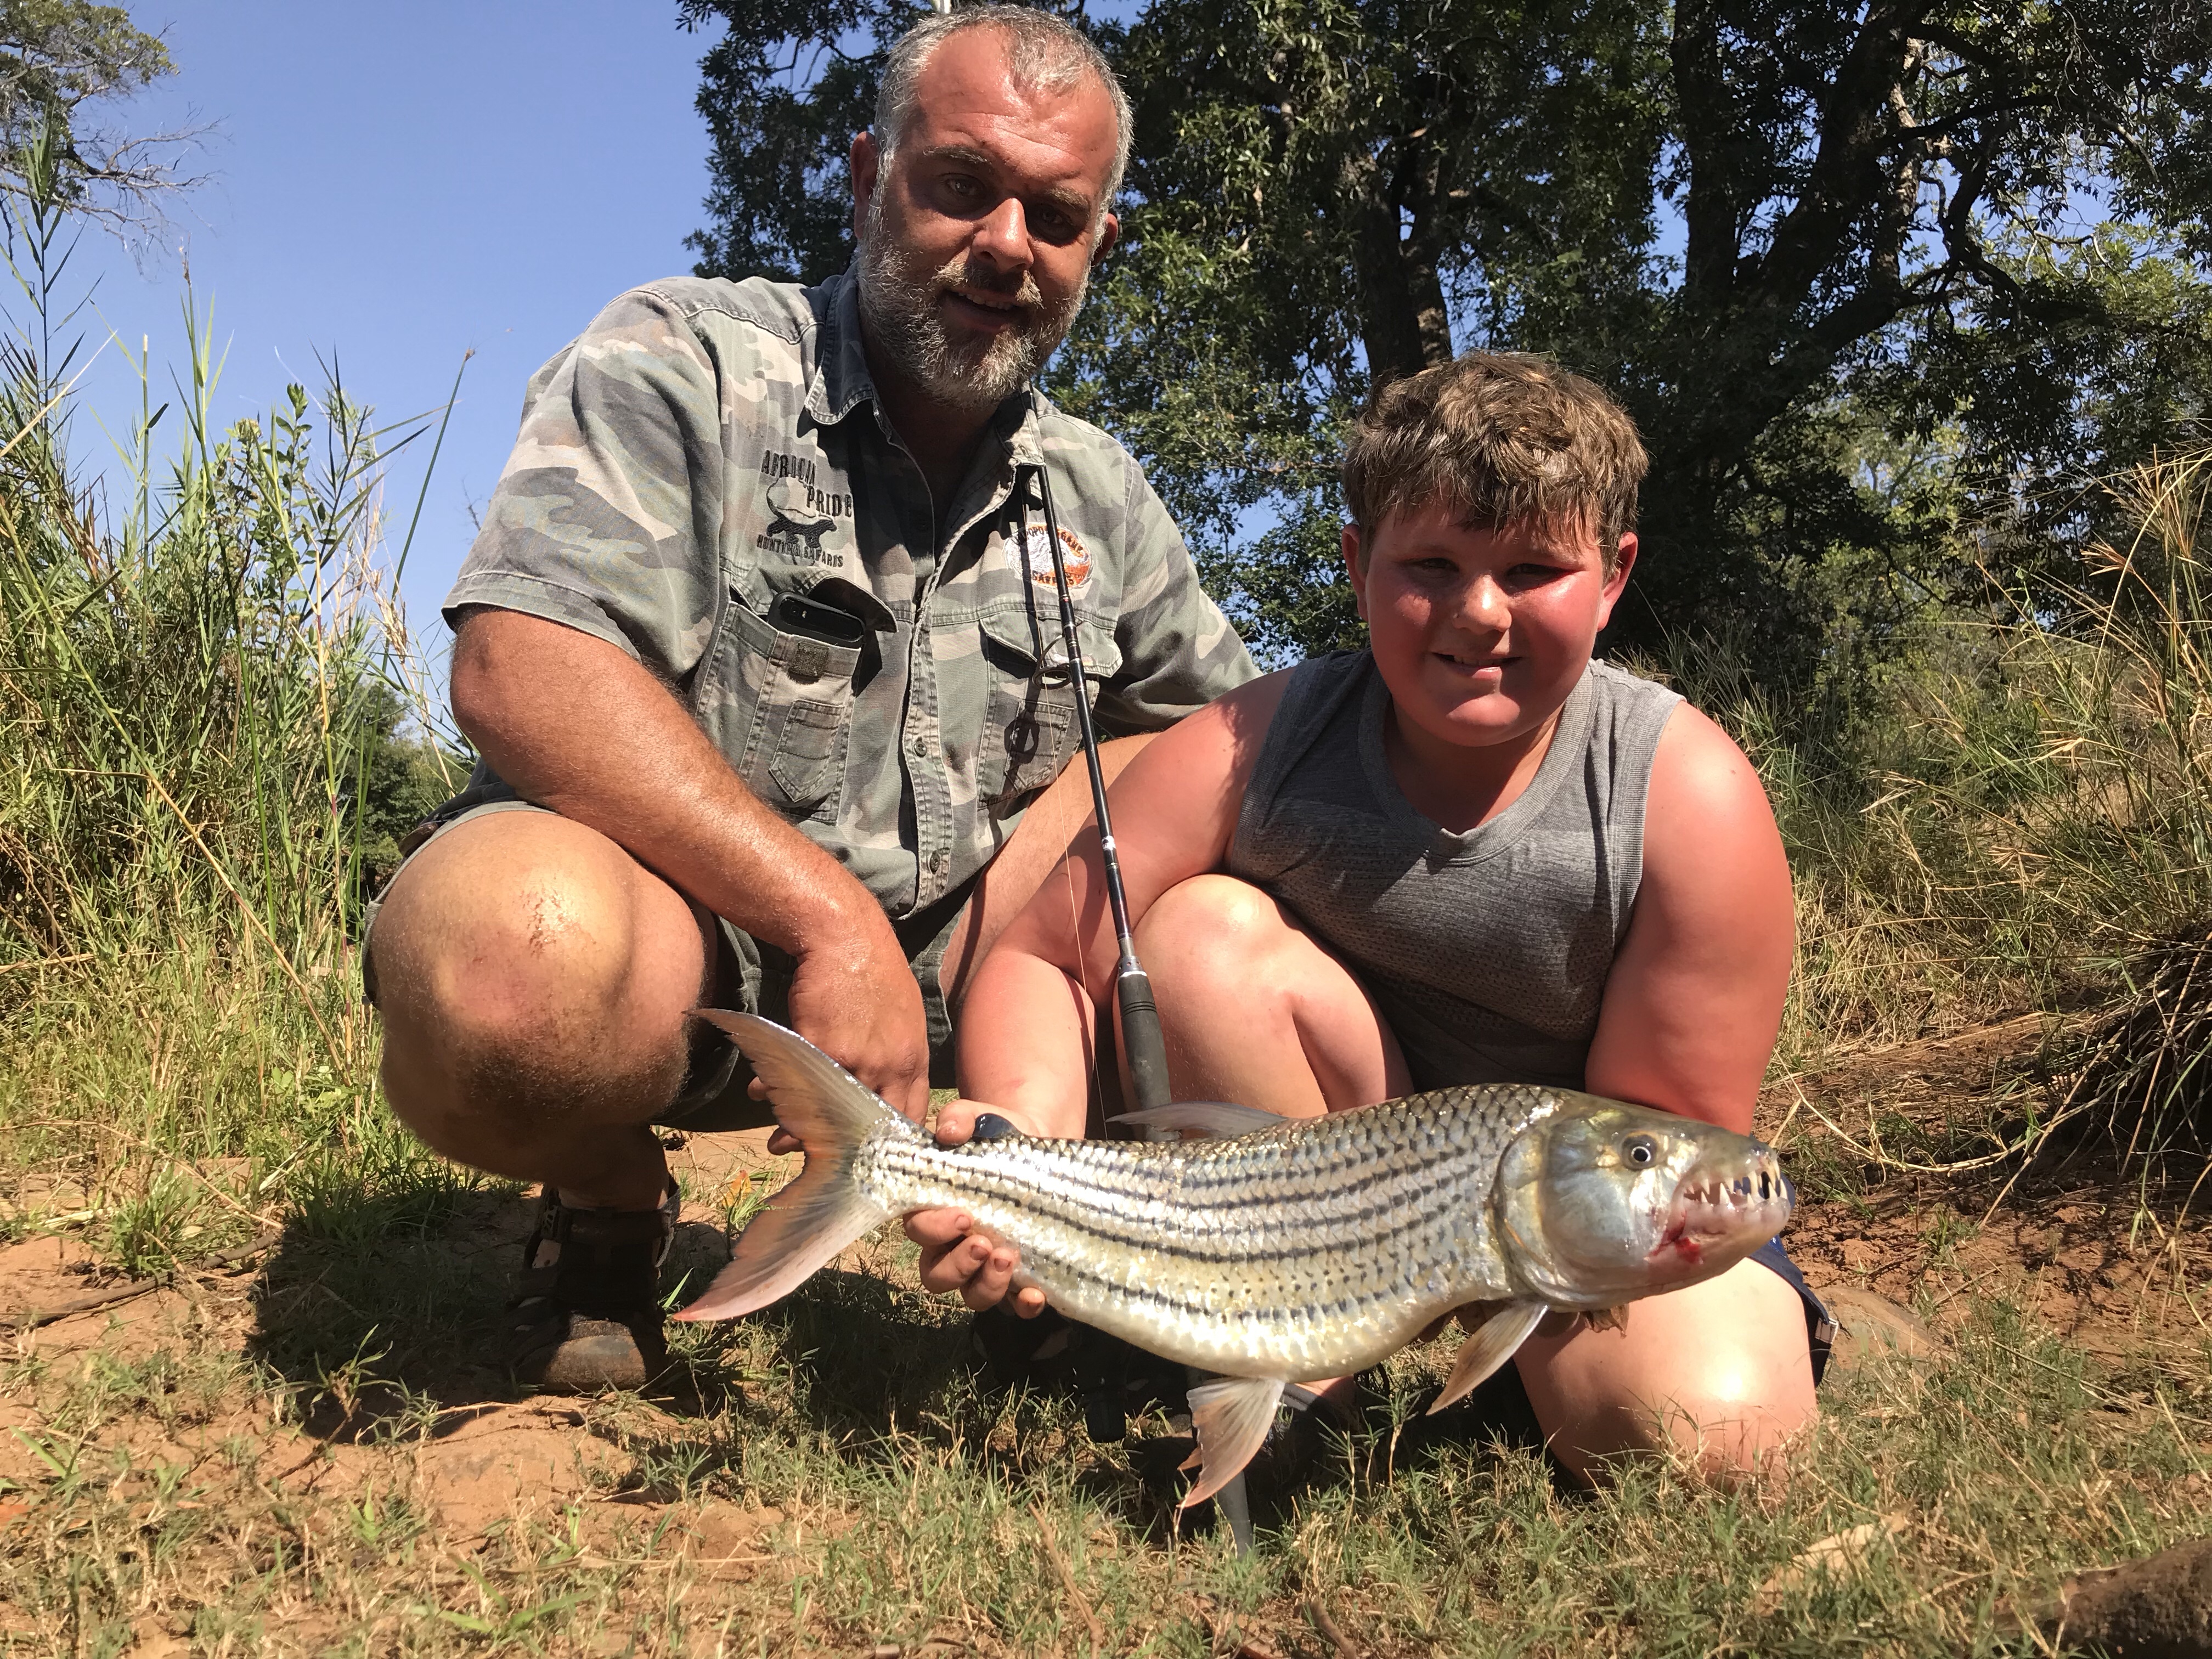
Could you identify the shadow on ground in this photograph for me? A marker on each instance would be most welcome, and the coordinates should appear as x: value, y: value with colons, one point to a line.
x: 392, y: 1321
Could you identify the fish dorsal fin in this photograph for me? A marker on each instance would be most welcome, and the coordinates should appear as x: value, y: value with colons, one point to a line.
x: 1494, y: 1343
x: 1207, y: 1120
x: 1232, y: 1418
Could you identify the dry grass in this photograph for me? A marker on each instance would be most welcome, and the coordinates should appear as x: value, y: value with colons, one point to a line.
x: 252, y: 1466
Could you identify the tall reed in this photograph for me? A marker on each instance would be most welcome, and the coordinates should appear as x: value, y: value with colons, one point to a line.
x: 210, y: 718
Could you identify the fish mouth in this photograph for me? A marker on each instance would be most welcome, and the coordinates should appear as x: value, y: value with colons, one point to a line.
x: 1717, y: 1208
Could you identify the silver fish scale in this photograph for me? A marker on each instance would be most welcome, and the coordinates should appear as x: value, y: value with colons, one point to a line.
x: 1303, y: 1251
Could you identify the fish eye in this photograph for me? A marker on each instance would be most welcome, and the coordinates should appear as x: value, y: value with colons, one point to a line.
x: 1638, y: 1150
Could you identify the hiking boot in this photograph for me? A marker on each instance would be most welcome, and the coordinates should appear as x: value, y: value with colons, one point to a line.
x: 587, y: 1315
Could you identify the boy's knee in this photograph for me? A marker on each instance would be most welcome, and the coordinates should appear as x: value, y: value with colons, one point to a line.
x: 1733, y: 1443
x: 1732, y: 1423
x: 1213, y: 919
x: 1719, y: 1375
x: 1725, y: 1435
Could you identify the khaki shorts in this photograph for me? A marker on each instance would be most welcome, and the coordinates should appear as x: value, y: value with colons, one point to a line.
x: 749, y: 975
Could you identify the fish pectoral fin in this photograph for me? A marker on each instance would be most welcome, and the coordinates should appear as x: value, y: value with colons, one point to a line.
x: 1608, y: 1319
x: 1206, y: 1119
x: 1493, y: 1343
x: 1232, y: 1418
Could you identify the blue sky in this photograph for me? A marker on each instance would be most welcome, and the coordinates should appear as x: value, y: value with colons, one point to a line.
x: 393, y: 185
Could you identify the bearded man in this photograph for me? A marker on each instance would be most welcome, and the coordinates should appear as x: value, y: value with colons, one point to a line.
x: 766, y: 680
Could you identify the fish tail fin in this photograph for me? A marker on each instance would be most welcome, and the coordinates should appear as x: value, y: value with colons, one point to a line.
x: 818, y: 1215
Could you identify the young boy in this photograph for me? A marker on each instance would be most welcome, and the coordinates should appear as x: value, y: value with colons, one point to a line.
x: 1466, y: 855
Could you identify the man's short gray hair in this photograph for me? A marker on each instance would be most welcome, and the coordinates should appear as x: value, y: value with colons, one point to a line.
x: 1045, y: 53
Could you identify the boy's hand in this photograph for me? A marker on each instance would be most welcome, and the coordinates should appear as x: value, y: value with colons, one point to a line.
x: 954, y: 1255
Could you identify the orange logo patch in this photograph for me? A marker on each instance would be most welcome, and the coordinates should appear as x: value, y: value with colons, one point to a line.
x: 1073, y: 555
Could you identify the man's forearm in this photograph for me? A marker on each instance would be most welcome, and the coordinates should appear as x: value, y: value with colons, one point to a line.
x: 578, y: 726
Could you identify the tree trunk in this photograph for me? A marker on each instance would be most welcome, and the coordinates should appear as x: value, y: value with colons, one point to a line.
x: 1403, y: 322
x: 1749, y: 352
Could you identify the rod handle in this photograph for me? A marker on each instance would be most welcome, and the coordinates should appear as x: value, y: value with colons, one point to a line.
x: 1142, y: 1047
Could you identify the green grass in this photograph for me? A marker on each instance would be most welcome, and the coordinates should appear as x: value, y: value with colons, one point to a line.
x: 911, y: 1505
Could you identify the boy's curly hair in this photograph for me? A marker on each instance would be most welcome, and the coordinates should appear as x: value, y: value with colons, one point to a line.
x: 1497, y: 438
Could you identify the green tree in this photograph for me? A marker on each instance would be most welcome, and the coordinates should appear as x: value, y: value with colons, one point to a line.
x: 1331, y: 192
x: 1773, y: 225
x: 66, y: 62
x: 2040, y: 418
x: 782, y: 92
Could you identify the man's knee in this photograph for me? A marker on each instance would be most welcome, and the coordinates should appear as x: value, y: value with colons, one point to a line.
x: 525, y: 939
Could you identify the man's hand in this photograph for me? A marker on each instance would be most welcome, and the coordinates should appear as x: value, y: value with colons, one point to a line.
x: 954, y: 1255
x: 854, y: 996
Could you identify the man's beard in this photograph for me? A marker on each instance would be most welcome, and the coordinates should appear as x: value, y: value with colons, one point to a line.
x: 900, y: 305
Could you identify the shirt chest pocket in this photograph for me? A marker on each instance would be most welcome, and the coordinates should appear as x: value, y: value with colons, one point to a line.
x: 1030, y: 727
x: 780, y: 707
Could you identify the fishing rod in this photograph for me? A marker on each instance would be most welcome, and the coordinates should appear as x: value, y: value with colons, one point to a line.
x: 1144, y: 1048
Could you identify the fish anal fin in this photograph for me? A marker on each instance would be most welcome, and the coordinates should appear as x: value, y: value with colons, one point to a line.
x: 1207, y: 1120
x: 1232, y: 1418
x: 1494, y: 1343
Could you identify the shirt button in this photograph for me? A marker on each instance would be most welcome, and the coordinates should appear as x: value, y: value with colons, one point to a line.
x: 920, y: 747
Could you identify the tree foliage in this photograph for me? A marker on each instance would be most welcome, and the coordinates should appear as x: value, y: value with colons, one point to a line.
x: 1881, y: 283
x: 782, y: 92
x: 63, y: 62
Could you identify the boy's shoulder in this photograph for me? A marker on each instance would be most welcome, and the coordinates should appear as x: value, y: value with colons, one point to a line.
x: 1620, y: 717
x: 1626, y: 686
x: 1700, y: 774
x: 1324, y: 688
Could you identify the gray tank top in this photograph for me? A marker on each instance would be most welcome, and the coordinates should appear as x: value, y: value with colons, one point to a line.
x: 1487, y: 949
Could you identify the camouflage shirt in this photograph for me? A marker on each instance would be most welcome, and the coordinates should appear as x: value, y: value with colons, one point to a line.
x: 708, y: 448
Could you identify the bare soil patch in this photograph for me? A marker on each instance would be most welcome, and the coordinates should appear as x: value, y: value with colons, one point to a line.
x: 485, y: 1454
x: 2110, y: 1261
